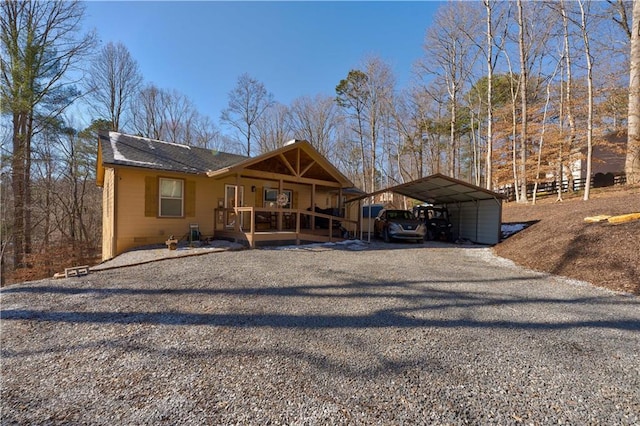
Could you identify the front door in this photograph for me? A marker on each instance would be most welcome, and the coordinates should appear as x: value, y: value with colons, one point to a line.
x: 230, y: 202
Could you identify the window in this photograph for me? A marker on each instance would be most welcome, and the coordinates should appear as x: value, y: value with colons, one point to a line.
x: 171, y: 197
x: 271, y: 198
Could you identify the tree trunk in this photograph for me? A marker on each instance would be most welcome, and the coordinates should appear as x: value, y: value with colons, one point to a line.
x: 18, y: 183
x: 589, y: 59
x: 568, y: 96
x: 523, y: 101
x: 488, y: 165
x: 452, y: 140
x: 632, y: 163
x: 542, y: 132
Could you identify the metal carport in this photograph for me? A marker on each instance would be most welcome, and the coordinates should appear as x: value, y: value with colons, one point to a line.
x: 476, y: 213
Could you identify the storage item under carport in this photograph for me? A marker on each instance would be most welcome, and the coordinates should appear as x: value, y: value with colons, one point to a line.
x: 436, y: 219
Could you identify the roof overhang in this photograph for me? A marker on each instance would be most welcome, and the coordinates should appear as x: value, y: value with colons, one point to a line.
x: 439, y: 189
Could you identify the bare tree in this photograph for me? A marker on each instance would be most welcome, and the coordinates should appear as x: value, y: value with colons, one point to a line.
x: 148, y: 112
x: 490, y: 65
x: 204, y: 133
x: 450, y: 55
x: 535, y: 24
x: 410, y: 120
x: 584, y: 30
x: 568, y: 98
x: 632, y: 163
x: 620, y: 14
x: 543, y: 130
x: 113, y: 82
x: 171, y: 116
x: 316, y: 119
x: 352, y: 97
x: 523, y: 103
x: 494, y: 20
x: 247, y: 102
x: 41, y: 42
x: 273, y: 128
x: 366, y: 95
x: 380, y: 88
x: 178, y: 116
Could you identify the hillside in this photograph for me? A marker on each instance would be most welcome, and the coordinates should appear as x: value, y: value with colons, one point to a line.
x: 561, y: 242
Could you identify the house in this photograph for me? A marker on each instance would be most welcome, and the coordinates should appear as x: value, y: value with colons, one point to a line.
x: 607, y: 160
x: 154, y: 189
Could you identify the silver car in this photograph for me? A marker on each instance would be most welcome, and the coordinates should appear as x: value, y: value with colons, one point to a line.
x: 398, y: 224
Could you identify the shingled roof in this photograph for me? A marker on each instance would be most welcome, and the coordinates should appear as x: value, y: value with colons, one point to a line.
x: 126, y: 150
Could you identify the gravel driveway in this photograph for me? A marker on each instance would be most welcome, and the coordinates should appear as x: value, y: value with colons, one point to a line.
x: 395, y: 334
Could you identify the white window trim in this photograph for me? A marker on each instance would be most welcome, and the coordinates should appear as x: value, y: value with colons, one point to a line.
x: 160, y: 197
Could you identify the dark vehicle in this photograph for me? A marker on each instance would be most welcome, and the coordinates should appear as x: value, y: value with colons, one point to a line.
x: 398, y: 224
x: 437, y: 221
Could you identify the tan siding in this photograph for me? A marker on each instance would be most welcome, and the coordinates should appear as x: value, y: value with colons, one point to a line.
x: 136, y: 229
x: 190, y: 198
x: 259, y: 201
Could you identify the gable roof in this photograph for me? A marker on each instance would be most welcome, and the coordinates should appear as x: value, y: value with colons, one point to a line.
x: 119, y: 149
x: 296, y: 161
x: 440, y: 189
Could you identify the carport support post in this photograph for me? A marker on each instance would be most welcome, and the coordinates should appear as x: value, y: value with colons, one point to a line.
x: 369, y: 222
x: 477, y: 211
x: 499, y: 203
x: 458, y: 205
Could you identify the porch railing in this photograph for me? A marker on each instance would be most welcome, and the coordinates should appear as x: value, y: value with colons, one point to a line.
x: 254, y: 221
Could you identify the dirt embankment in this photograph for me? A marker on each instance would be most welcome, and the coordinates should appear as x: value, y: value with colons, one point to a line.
x: 561, y: 242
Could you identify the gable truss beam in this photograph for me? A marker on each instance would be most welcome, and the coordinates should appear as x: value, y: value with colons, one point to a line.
x: 306, y: 169
x: 289, y: 166
x: 287, y: 178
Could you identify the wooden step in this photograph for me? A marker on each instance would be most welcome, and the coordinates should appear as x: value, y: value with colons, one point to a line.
x: 76, y: 271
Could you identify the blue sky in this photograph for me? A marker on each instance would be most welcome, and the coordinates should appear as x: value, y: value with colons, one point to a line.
x: 294, y: 48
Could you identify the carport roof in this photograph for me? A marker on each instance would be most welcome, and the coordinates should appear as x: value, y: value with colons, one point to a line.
x: 439, y: 189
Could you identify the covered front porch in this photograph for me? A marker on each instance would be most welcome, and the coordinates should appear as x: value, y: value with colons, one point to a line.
x: 289, y: 196
x: 257, y: 226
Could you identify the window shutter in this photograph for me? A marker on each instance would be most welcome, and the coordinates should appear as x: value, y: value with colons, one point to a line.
x: 150, y: 196
x: 190, y: 198
x: 294, y: 201
x: 259, y: 197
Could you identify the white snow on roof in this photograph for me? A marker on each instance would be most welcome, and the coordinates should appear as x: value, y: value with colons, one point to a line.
x: 111, y: 134
x: 117, y: 156
x: 172, y: 143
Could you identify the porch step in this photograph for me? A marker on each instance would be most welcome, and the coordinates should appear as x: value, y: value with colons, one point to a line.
x: 76, y: 271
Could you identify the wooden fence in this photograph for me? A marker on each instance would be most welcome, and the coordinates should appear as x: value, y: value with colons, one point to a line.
x: 544, y: 189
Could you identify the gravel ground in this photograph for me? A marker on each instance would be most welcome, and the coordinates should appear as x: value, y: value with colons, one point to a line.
x: 394, y: 334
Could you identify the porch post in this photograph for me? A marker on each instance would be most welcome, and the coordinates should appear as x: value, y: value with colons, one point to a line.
x: 279, y: 206
x: 313, y: 205
x: 236, y: 225
x: 360, y: 219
